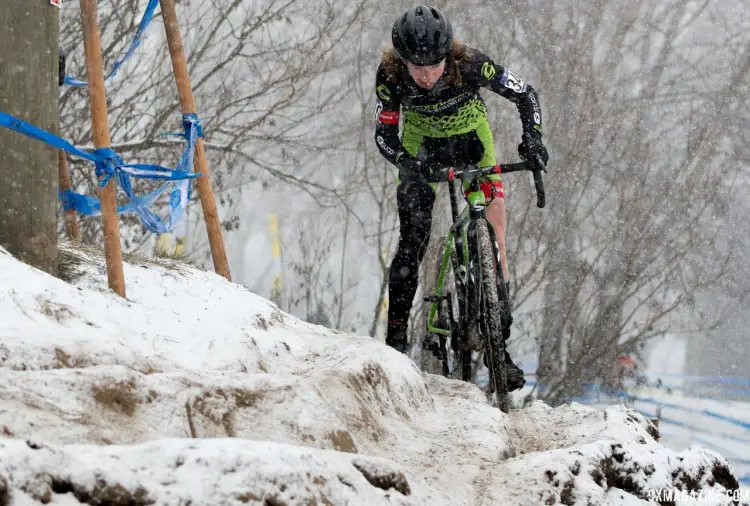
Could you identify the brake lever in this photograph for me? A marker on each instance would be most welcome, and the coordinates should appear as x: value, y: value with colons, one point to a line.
x: 540, y: 163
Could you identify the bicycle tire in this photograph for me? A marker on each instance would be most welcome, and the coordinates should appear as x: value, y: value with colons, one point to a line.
x: 491, y: 314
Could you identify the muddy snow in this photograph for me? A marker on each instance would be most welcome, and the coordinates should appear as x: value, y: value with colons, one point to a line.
x: 194, y: 390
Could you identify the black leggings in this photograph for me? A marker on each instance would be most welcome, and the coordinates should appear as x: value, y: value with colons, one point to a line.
x: 415, y: 200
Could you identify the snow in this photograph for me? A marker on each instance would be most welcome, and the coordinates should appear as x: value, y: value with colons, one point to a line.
x: 219, y: 471
x: 687, y: 420
x: 195, y: 390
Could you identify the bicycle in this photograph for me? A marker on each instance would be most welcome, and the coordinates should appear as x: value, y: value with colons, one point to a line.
x: 471, y: 313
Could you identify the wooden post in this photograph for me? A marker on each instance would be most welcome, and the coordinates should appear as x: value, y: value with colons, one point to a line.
x: 100, y: 127
x: 72, y: 230
x: 187, y: 103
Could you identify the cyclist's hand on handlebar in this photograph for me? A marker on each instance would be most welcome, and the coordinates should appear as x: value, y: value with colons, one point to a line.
x: 411, y: 168
x: 531, y: 146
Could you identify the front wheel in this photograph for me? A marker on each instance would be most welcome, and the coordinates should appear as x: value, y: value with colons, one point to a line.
x: 454, y: 354
x: 491, y: 314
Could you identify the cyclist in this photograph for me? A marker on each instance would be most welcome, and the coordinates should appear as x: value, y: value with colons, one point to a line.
x: 429, y: 81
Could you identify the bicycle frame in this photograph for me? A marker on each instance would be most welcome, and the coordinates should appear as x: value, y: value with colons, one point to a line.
x: 462, y: 249
x: 457, y: 240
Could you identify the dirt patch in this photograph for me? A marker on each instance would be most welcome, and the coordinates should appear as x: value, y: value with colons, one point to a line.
x: 172, y: 263
x: 374, y: 383
x: 54, y: 310
x: 616, y: 472
x: 215, y: 405
x: 648, y: 424
x: 365, y: 421
x: 168, y: 258
x: 73, y: 256
x: 274, y: 501
x: 66, y: 361
x: 384, y: 479
x: 102, y: 493
x: 219, y: 405
x: 374, y: 375
x: 246, y: 497
x: 69, y: 264
x: 276, y: 317
x: 38, y: 489
x: 722, y: 475
x: 373, y: 391
x: 4, y: 491
x: 191, y: 422
x: 247, y: 398
x: 4, y: 354
x: 147, y: 367
x: 342, y: 441
x: 234, y: 398
x: 120, y: 396
x: 306, y: 437
x: 567, y: 496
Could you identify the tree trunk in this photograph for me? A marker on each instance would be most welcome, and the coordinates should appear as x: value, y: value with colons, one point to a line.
x: 28, y: 168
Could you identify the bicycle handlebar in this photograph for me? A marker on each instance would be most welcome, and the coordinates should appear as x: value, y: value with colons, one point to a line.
x: 452, y: 173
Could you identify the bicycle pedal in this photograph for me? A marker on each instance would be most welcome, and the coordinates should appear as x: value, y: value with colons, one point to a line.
x: 435, y: 298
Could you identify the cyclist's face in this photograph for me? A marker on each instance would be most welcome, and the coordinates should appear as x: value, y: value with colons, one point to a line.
x: 426, y: 76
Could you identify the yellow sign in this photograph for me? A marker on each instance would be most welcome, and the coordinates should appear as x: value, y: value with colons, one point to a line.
x: 273, y: 232
x: 273, y: 227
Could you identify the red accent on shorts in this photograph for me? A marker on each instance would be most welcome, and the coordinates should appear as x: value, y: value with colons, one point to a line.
x: 389, y: 117
x: 488, y: 187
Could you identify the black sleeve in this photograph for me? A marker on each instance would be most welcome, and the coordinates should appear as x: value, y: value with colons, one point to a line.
x: 505, y: 83
x: 387, y: 115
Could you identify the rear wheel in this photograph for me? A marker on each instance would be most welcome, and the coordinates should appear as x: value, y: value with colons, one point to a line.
x: 491, y: 316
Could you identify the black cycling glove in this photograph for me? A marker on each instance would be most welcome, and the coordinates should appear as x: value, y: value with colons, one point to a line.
x: 531, y: 145
x: 411, y: 168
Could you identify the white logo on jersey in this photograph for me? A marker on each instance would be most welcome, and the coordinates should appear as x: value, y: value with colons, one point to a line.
x: 384, y: 146
x: 512, y: 81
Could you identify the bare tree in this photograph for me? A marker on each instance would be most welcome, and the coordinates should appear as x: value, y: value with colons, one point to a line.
x: 28, y: 90
x: 641, y: 147
x: 257, y: 70
x: 320, y: 290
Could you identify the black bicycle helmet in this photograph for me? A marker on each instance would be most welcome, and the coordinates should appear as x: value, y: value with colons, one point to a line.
x: 422, y: 35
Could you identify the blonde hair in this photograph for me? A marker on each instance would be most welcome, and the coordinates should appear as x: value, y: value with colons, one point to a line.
x: 460, y: 53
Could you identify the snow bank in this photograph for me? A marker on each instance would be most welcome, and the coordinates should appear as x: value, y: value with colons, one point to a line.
x: 195, y: 390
